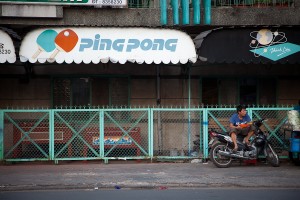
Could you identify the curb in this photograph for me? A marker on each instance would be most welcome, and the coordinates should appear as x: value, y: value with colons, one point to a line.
x: 13, y: 188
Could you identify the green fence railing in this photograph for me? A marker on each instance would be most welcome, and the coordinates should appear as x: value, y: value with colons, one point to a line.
x: 214, y: 3
x: 125, y: 133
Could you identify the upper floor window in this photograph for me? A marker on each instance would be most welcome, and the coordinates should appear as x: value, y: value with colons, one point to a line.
x: 90, y: 91
x: 248, y: 92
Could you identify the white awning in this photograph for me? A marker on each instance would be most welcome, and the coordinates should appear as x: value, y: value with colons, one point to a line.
x: 118, y: 45
x: 7, y: 49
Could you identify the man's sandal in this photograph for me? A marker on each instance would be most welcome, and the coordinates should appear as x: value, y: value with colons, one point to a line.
x: 234, y: 150
x: 247, y: 144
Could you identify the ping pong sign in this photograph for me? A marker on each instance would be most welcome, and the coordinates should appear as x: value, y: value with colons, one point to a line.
x: 94, y: 45
x: 114, y: 3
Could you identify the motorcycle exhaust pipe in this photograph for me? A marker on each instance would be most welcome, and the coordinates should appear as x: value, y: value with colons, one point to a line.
x: 226, y: 153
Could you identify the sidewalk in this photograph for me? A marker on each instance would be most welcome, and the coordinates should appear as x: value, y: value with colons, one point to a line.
x: 132, y: 174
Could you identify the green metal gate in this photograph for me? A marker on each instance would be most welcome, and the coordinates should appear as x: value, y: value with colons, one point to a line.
x: 127, y: 133
x: 131, y: 133
x: 177, y: 133
x: 26, y: 135
x: 72, y: 132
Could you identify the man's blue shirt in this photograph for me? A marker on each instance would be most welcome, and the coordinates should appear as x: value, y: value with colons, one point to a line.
x: 235, y: 120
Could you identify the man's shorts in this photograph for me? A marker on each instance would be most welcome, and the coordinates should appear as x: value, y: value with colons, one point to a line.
x: 243, y: 131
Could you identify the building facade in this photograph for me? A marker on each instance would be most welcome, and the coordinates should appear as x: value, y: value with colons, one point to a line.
x: 224, y: 82
x: 232, y: 66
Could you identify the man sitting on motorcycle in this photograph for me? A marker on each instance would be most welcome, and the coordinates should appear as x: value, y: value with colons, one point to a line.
x: 239, y: 124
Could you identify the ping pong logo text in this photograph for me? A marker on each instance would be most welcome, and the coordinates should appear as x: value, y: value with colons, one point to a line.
x: 51, y: 41
x: 129, y: 45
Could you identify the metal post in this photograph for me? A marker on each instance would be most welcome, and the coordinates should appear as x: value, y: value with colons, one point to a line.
x: 196, y: 8
x: 101, y: 134
x: 200, y: 131
x: 1, y: 134
x: 150, y: 135
x: 249, y: 111
x: 185, y: 12
x: 189, y: 84
x: 51, y: 134
x: 207, y: 12
x: 205, y: 134
x: 175, y: 8
x: 159, y: 129
x: 163, y: 12
x: 189, y: 125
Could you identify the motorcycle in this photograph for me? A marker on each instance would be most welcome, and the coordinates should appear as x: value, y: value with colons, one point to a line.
x: 222, y: 153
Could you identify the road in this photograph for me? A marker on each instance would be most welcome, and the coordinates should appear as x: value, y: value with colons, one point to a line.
x: 158, y: 194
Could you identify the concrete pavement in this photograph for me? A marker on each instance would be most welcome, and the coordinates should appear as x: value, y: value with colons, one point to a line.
x: 133, y: 174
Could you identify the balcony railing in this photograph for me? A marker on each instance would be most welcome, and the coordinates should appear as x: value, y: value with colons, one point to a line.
x: 217, y: 3
x: 140, y: 3
x: 253, y: 3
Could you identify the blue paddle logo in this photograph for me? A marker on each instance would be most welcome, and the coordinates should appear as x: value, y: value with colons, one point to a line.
x: 45, y: 42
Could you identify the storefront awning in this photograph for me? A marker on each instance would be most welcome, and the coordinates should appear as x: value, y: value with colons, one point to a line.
x: 7, y: 49
x: 249, y: 45
x: 118, y: 45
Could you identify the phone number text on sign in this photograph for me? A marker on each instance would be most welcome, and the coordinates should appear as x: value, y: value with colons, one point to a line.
x: 110, y: 2
x: 3, y: 50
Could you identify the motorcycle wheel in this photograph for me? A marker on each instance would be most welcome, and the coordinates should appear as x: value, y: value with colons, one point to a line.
x: 272, y: 157
x: 219, y: 160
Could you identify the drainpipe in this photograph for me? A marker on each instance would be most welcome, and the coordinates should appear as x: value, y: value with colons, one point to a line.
x: 163, y: 12
x: 175, y: 8
x: 158, y: 103
x: 185, y: 12
x: 196, y: 8
x: 207, y: 13
x: 1, y: 135
x: 189, y: 125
